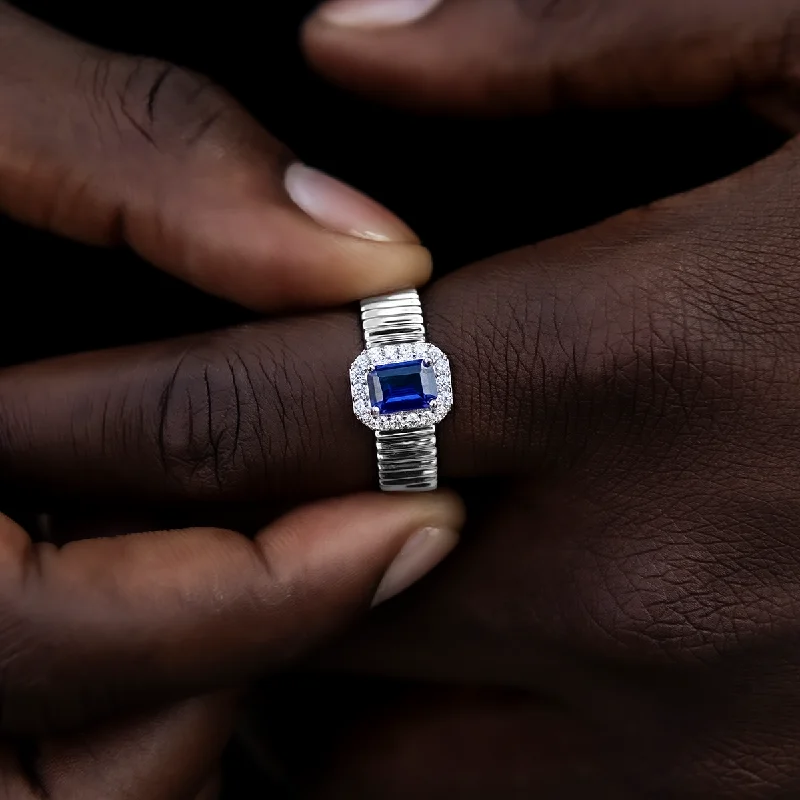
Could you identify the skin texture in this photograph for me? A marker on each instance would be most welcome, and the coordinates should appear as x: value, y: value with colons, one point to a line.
x: 624, y: 612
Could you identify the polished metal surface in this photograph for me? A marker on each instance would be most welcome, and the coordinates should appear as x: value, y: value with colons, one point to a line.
x: 407, y: 459
x: 393, y: 319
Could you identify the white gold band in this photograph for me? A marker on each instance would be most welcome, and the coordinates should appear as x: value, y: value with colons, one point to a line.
x: 407, y: 458
x: 392, y: 319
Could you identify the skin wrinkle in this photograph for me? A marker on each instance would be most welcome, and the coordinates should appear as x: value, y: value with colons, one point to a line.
x: 259, y: 425
x: 213, y: 437
x: 194, y: 105
x: 164, y: 406
x: 237, y: 409
x: 303, y: 403
x: 155, y: 89
x: 711, y: 525
x: 289, y: 415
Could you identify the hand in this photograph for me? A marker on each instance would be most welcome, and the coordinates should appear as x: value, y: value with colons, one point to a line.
x: 112, y: 149
x: 633, y: 388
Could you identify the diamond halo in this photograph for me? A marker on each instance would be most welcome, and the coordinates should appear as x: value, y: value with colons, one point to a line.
x: 397, y: 354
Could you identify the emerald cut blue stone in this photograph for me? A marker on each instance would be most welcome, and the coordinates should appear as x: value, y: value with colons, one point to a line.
x: 408, y: 386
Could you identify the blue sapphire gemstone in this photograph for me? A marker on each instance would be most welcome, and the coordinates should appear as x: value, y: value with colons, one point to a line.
x: 408, y: 386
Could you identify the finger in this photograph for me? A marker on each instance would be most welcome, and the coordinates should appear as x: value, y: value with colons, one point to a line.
x: 170, y: 755
x: 104, y: 624
x: 265, y: 411
x: 503, y: 55
x: 113, y: 149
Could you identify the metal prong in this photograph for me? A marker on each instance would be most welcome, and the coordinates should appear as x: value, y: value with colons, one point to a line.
x: 375, y: 411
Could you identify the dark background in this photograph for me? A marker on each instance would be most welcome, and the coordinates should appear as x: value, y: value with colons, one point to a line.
x: 469, y: 188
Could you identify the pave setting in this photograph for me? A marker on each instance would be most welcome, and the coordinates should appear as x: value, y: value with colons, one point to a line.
x: 401, y: 387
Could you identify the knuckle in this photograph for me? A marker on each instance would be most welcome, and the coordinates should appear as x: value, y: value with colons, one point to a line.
x: 157, y: 103
x: 204, y: 420
x: 240, y: 421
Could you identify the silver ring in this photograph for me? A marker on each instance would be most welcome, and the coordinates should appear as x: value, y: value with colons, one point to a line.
x: 402, y: 389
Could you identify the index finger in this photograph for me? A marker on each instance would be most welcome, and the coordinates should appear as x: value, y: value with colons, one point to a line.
x: 113, y: 149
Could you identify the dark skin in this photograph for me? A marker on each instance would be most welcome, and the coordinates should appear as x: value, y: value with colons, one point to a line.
x: 638, y: 566
x: 99, y: 635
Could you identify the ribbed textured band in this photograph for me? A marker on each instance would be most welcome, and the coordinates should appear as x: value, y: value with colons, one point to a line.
x: 407, y: 460
x: 392, y: 319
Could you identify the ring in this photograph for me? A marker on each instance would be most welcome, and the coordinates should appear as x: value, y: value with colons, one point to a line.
x: 401, y: 388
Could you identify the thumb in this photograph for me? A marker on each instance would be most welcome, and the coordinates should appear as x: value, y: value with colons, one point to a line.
x: 532, y: 55
x: 103, y: 625
x: 112, y: 149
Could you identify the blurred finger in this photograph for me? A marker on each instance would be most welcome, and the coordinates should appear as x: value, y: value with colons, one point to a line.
x: 533, y: 55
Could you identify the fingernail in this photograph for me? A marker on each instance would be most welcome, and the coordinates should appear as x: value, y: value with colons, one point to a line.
x: 375, y: 13
x: 338, y: 207
x: 420, y: 554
